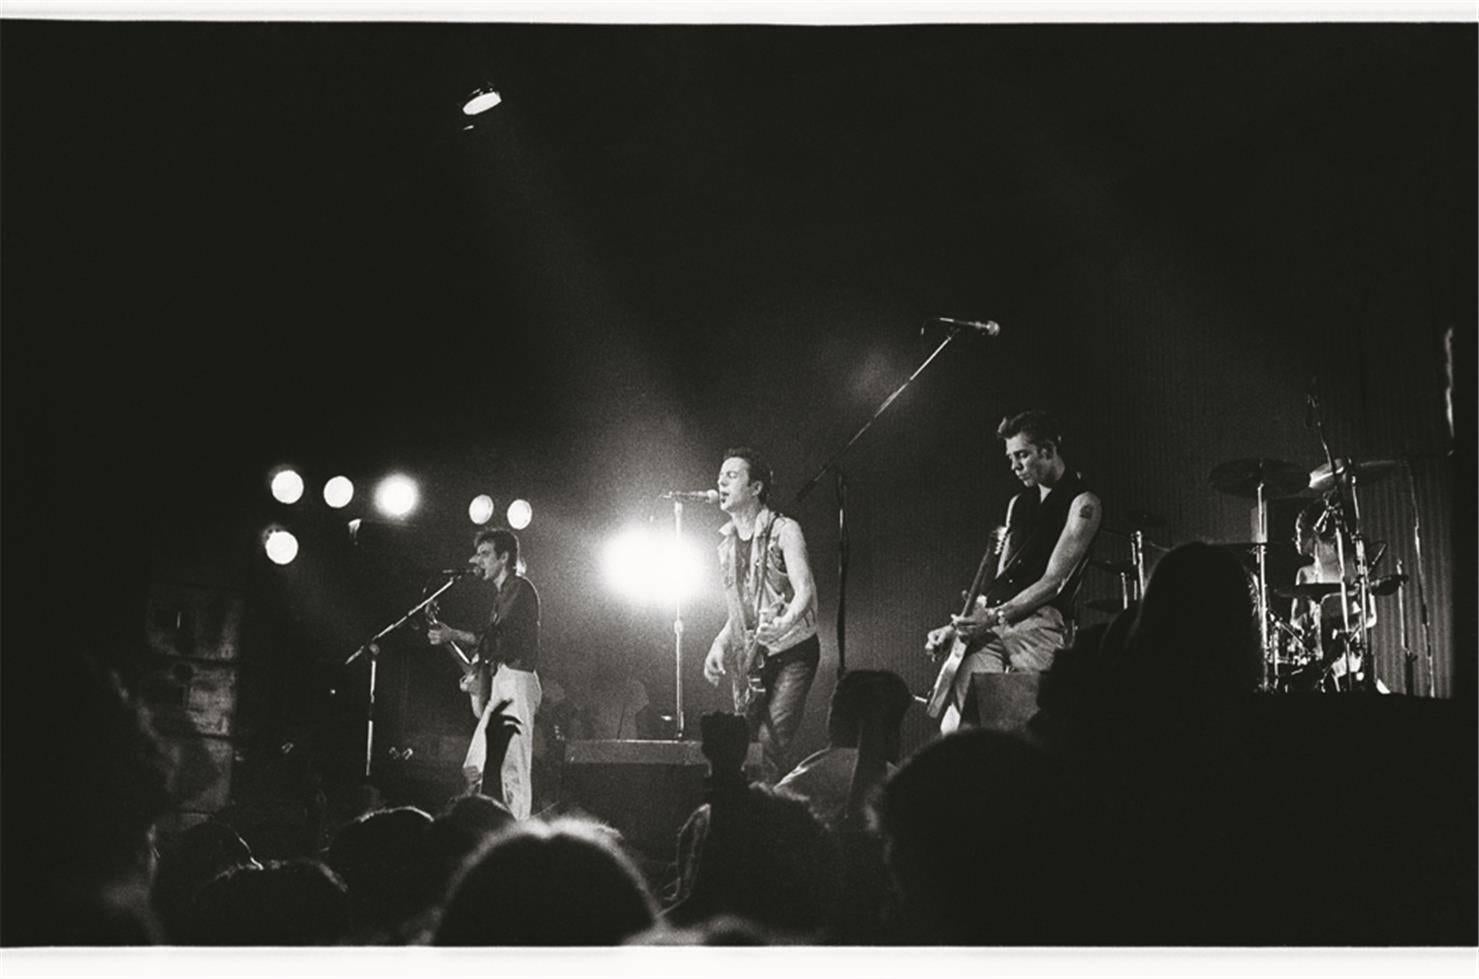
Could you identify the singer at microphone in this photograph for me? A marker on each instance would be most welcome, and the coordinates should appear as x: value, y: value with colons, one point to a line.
x: 695, y: 496
x: 768, y: 648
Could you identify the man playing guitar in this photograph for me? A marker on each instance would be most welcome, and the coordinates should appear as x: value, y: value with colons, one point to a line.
x: 1021, y: 622
x: 507, y: 651
x: 768, y: 646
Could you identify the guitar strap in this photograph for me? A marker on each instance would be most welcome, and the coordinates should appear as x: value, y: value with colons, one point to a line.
x: 758, y: 566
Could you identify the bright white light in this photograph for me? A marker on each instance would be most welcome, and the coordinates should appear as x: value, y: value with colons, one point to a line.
x: 287, y: 487
x: 481, y: 101
x: 649, y: 567
x: 480, y: 510
x: 519, y: 514
x: 338, y: 492
x: 281, y: 547
x: 396, y: 495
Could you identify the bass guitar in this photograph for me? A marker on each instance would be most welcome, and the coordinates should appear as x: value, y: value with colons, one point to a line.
x: 949, y: 666
x: 475, y: 681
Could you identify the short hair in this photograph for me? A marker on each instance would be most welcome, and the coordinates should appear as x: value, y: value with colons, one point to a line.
x: 1041, y: 427
x: 565, y: 882
x: 503, y: 541
x: 760, y: 470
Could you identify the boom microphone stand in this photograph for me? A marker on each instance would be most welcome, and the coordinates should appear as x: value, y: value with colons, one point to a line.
x: 371, y: 648
x: 953, y: 329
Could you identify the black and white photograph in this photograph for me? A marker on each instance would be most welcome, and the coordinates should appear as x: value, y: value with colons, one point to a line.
x: 531, y: 483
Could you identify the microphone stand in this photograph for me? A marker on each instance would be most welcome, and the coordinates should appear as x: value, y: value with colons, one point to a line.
x: 678, y: 627
x: 840, y: 484
x: 371, y: 648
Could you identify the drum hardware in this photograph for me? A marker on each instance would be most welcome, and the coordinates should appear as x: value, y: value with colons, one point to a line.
x: 1339, y: 479
x: 1110, y: 605
x: 1409, y: 658
x: 1260, y: 478
x: 1389, y: 584
x: 1418, y: 576
x: 1312, y: 590
x: 1131, y: 574
x: 1324, y: 478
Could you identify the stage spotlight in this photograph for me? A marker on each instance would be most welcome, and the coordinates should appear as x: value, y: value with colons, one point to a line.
x: 281, y: 546
x: 338, y: 492
x: 480, y: 100
x: 480, y: 510
x: 519, y: 514
x: 646, y: 566
x: 287, y: 487
x: 396, y: 496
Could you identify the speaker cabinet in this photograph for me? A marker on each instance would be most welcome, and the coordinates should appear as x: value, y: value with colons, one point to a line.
x: 645, y: 789
x: 1001, y: 701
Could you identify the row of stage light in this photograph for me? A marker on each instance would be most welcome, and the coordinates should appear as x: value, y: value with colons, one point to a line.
x: 396, y: 496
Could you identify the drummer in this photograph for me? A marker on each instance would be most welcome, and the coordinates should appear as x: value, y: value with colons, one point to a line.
x: 1319, y: 620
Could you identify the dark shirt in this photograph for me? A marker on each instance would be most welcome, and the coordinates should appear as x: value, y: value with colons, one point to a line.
x: 512, y: 634
x: 1036, y: 523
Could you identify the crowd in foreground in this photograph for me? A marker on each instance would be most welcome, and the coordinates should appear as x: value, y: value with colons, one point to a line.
x: 1156, y: 798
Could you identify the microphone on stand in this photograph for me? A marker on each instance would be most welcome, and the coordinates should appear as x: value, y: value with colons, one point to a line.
x: 459, y: 572
x: 989, y: 328
x: 693, y: 496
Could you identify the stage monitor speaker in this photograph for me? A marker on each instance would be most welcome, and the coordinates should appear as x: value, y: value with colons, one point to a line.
x: 645, y: 789
x: 1001, y: 701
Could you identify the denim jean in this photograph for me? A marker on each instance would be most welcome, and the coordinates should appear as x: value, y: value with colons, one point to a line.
x: 1028, y: 646
x: 775, y: 717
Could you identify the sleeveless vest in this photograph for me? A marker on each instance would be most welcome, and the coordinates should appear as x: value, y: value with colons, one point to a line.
x: 1033, y: 530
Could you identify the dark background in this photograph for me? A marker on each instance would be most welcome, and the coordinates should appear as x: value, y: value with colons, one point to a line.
x: 229, y: 247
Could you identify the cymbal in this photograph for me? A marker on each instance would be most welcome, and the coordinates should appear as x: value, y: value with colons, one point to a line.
x: 1115, y: 567
x: 1366, y: 472
x: 1387, y: 584
x: 1105, y: 605
x: 1313, y: 590
x: 1280, y: 562
x: 1242, y: 477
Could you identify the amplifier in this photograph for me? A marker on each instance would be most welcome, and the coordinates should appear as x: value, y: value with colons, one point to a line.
x: 644, y: 789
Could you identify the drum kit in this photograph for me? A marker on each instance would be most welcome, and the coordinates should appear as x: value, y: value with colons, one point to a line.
x: 1318, y: 637
x: 1325, y: 574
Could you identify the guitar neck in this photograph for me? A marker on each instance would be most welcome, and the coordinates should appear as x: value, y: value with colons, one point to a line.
x: 460, y: 658
x: 986, y: 572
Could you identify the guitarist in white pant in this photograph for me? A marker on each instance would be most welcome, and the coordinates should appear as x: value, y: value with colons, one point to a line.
x: 1019, y: 621
x: 507, y: 651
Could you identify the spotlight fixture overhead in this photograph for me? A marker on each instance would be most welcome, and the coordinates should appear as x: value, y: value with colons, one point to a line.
x: 397, y: 495
x: 480, y: 510
x: 287, y: 486
x: 281, y: 546
x: 480, y: 100
x: 519, y: 514
x: 338, y: 491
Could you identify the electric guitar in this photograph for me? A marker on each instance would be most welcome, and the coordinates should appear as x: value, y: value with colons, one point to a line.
x: 950, y: 665
x: 751, y: 660
x: 475, y: 681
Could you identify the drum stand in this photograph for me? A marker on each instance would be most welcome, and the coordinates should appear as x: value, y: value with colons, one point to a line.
x: 1345, y: 510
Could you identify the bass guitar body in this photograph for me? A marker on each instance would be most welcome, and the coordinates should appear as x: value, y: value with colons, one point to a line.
x: 940, y: 693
